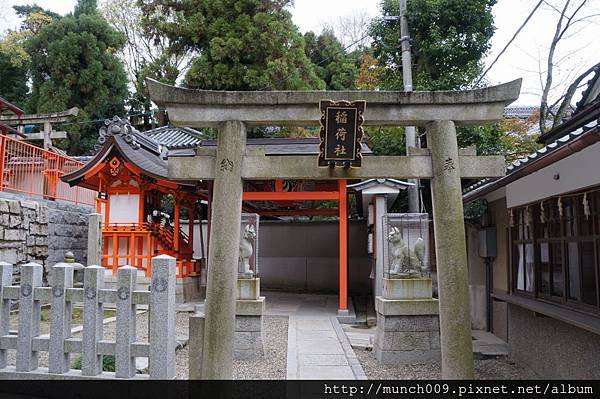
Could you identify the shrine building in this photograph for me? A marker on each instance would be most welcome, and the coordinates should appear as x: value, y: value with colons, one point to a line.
x: 130, y: 173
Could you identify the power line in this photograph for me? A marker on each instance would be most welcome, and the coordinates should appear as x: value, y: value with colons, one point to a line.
x: 510, y: 41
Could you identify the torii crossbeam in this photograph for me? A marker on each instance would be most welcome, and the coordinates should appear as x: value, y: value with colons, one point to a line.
x: 229, y: 165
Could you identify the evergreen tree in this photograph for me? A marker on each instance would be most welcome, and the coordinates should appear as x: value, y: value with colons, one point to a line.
x: 73, y: 64
x: 449, y: 39
x: 13, y: 81
x: 241, y: 44
x: 333, y: 65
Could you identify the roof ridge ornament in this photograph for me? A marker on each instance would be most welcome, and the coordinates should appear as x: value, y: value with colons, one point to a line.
x: 117, y: 126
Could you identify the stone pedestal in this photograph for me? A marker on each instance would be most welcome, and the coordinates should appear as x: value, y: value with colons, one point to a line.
x: 407, y: 328
x: 414, y: 288
x: 250, y: 307
x: 248, y: 288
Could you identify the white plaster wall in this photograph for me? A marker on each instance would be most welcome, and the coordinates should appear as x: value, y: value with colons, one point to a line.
x: 124, y: 208
x: 197, y: 241
x: 577, y: 171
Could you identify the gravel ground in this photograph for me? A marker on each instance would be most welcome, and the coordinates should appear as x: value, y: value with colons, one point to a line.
x: 487, y: 369
x: 271, y: 367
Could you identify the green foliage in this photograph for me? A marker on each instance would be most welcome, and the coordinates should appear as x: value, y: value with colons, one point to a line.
x: 74, y: 65
x: 334, y: 66
x: 449, y: 39
x: 241, y: 44
x: 475, y: 210
x: 386, y: 140
x: 108, y: 363
x: 13, y: 81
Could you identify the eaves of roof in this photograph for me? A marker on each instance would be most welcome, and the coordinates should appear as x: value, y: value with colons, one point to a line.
x: 553, y: 152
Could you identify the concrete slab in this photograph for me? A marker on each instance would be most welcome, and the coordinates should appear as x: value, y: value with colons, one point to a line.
x: 487, y: 345
x: 320, y: 346
x: 322, y: 360
x: 327, y: 373
x: 314, y: 325
x: 317, y: 345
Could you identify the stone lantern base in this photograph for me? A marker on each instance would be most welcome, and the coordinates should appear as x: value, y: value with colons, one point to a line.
x: 408, y: 328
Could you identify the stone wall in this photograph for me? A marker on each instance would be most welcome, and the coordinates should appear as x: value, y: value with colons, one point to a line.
x: 23, y: 233
x: 33, y: 229
x: 67, y: 230
x: 551, y: 348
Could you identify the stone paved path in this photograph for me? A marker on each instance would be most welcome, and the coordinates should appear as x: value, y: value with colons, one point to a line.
x: 317, y: 346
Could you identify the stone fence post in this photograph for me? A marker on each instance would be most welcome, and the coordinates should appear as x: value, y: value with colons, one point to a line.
x: 6, y: 270
x: 161, y: 361
x: 126, y: 313
x: 94, y: 247
x: 93, y: 313
x: 60, y: 328
x: 29, y: 317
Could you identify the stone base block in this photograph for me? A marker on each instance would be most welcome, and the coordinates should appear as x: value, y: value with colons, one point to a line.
x: 244, y: 307
x: 406, y: 307
x: 195, y: 345
x: 248, y: 344
x: 407, y: 288
x: 188, y: 289
x: 406, y: 337
x: 248, y: 338
x: 248, y: 288
x: 399, y: 358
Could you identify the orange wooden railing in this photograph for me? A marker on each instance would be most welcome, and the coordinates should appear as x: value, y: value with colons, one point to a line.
x: 33, y: 171
x: 134, y: 244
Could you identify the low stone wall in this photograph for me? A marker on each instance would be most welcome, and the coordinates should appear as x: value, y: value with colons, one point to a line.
x: 67, y: 230
x: 34, y: 229
x: 23, y: 233
x: 551, y: 348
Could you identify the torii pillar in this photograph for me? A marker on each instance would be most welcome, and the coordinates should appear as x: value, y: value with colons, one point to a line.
x: 438, y: 112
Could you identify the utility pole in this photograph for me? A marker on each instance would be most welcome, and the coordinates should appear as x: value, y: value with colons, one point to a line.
x: 409, y: 131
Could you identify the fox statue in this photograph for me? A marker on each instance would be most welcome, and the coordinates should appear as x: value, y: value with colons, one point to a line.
x: 403, y: 260
x: 246, y: 249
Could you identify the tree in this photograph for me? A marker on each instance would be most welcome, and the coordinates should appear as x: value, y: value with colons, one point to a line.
x: 449, y: 39
x: 369, y: 74
x: 352, y: 30
x: 74, y: 64
x: 570, y: 14
x: 12, y: 44
x: 241, y: 44
x: 333, y: 65
x: 14, y: 58
x: 13, y: 81
x: 146, y: 53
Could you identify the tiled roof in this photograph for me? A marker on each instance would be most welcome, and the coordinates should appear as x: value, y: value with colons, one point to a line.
x: 523, y: 162
x: 520, y: 111
x: 175, y: 137
x: 138, y: 148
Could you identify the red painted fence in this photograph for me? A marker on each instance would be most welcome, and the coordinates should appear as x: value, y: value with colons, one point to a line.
x: 33, y: 171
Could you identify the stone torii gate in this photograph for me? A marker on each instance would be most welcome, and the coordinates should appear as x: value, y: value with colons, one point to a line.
x: 229, y: 165
x: 47, y: 120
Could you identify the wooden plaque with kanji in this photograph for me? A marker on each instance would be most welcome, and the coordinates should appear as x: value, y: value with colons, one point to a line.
x: 341, y: 133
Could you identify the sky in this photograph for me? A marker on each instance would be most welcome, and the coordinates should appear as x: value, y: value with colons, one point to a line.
x: 525, y: 58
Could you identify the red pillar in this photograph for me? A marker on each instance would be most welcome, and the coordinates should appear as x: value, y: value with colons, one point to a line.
x: 208, y: 219
x: 191, y: 217
x: 176, y: 227
x: 343, y: 243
